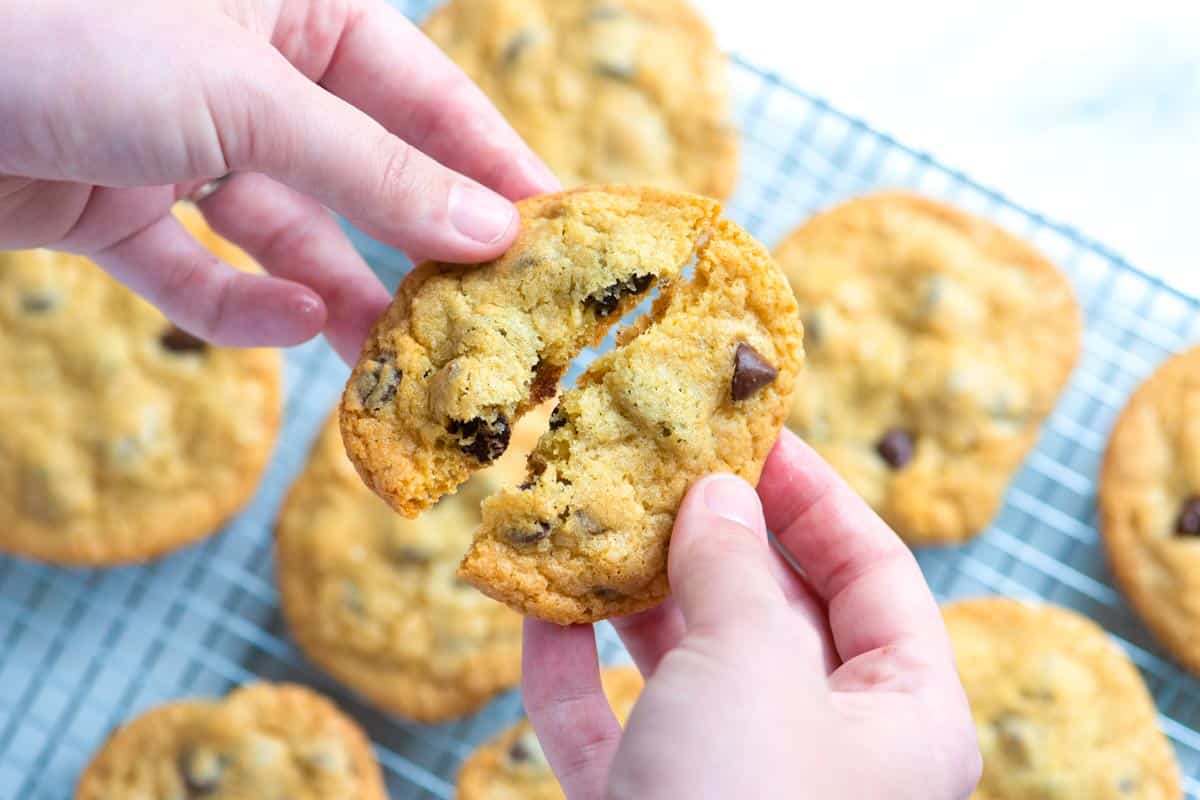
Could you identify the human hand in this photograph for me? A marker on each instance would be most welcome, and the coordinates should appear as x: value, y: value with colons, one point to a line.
x: 761, y: 683
x: 110, y: 112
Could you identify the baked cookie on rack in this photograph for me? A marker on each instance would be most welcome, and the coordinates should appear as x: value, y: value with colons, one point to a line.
x: 269, y: 741
x: 1149, y: 502
x: 1059, y: 709
x: 605, y: 91
x: 937, y: 343
x: 373, y: 598
x: 128, y: 438
x: 512, y: 766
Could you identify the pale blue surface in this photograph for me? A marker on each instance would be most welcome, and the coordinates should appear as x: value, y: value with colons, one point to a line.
x: 80, y: 651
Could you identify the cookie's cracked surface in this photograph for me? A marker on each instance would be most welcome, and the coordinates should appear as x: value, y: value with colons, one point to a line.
x: 700, y: 384
x: 464, y: 351
x: 263, y: 741
x: 937, y: 343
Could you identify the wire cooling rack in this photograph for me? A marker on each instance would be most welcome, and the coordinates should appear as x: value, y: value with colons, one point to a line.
x: 81, y: 651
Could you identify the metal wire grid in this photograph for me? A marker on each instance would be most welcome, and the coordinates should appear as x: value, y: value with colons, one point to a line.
x: 81, y: 651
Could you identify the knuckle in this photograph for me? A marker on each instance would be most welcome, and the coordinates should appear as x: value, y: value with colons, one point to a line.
x: 398, y: 179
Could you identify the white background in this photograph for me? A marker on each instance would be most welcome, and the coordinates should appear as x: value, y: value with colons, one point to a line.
x: 1088, y: 112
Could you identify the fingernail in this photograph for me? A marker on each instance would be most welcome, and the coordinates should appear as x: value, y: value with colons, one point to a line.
x: 731, y: 498
x: 480, y: 214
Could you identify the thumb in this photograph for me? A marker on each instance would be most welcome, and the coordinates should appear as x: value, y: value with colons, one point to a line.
x: 720, y: 560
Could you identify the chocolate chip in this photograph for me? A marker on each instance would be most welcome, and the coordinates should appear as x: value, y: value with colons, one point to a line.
x: 589, y: 524
x: 608, y: 593
x: 751, y: 372
x: 545, y: 381
x: 526, y: 486
x: 1127, y: 784
x: 814, y: 329
x: 485, y: 439
x: 622, y: 71
x: 1188, y: 521
x: 328, y: 756
x: 352, y: 597
x: 557, y: 418
x: 377, y: 383
x: 37, y: 495
x: 39, y: 302
x: 177, y: 340
x: 608, y: 299
x: 1013, y: 737
x: 604, y: 12
x: 534, y: 533
x: 518, y: 44
x: 895, y: 447
x: 201, y: 769
x: 407, y: 555
x: 526, y: 750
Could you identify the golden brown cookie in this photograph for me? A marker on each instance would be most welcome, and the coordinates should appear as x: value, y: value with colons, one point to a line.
x: 1150, y: 504
x: 373, y: 597
x: 512, y: 766
x: 1060, y: 711
x: 134, y: 438
x: 937, y: 343
x: 464, y: 351
x: 605, y: 91
x: 263, y: 741
x: 700, y: 384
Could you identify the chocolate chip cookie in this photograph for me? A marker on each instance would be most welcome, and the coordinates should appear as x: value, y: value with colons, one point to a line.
x: 263, y: 741
x: 937, y: 344
x: 700, y: 384
x: 128, y: 437
x: 512, y: 766
x: 605, y: 91
x: 1150, y: 504
x: 373, y: 597
x: 464, y: 351
x: 1060, y: 711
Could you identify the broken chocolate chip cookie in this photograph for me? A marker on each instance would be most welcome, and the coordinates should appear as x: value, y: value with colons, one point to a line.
x: 700, y: 384
x: 464, y: 351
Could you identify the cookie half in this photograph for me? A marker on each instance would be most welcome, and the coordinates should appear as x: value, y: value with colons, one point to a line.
x: 700, y: 384
x: 373, y: 597
x: 464, y: 351
x: 1150, y: 504
x: 129, y: 437
x: 512, y: 764
x: 262, y: 741
x: 937, y: 343
x: 605, y: 91
x: 1059, y: 709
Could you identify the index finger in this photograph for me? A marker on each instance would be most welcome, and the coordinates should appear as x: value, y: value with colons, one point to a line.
x: 862, y: 571
x: 387, y: 67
